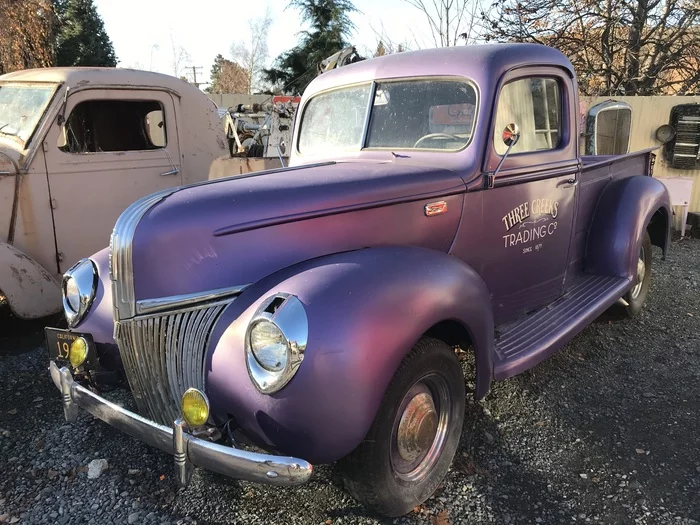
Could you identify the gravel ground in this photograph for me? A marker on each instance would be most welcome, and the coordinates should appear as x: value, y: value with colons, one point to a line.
x: 606, y: 431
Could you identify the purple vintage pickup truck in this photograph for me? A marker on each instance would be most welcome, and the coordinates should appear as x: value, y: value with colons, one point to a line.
x: 310, y: 314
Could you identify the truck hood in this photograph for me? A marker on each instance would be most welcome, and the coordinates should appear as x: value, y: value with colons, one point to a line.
x: 235, y: 231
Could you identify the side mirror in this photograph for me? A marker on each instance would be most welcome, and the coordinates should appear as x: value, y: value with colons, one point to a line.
x: 511, y: 135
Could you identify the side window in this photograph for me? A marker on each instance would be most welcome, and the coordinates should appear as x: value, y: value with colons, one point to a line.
x: 534, y: 104
x: 96, y: 126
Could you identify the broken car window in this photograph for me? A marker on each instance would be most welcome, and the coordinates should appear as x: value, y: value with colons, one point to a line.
x: 96, y: 126
x: 21, y: 108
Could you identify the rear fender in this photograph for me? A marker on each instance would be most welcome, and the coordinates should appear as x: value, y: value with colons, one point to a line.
x: 30, y: 290
x: 625, y: 210
x: 366, y: 309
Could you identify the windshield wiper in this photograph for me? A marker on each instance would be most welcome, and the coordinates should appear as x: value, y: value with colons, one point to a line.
x: 9, y: 133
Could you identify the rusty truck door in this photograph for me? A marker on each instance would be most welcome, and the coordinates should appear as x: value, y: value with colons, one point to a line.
x: 114, y: 147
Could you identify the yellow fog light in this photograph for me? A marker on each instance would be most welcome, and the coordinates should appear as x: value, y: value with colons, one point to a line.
x: 195, y: 407
x: 78, y: 352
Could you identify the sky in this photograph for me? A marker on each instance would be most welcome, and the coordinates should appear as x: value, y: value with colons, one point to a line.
x: 148, y: 34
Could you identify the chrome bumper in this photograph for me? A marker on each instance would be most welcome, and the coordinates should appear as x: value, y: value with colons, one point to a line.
x: 187, y: 449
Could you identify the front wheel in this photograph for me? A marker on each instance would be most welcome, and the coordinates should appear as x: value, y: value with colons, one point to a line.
x: 414, y: 436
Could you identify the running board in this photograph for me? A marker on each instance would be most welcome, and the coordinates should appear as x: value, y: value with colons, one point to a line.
x: 530, y: 340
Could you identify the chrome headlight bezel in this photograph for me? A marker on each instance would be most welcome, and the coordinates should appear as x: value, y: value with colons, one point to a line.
x: 84, y: 276
x: 288, y: 314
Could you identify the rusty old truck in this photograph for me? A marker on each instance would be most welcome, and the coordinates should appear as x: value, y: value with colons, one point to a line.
x: 77, y: 146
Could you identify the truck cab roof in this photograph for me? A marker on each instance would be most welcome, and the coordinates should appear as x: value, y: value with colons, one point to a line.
x: 480, y: 62
x: 78, y: 77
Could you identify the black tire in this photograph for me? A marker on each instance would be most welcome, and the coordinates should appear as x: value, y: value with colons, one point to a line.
x: 377, y: 472
x: 636, y: 297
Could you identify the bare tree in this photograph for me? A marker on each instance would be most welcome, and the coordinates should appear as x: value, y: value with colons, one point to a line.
x: 618, y: 47
x: 27, y: 36
x: 452, y: 22
x: 252, y: 54
x: 386, y: 44
x: 180, y: 57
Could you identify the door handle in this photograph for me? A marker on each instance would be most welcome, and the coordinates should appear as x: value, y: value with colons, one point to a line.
x: 173, y: 171
x: 568, y: 183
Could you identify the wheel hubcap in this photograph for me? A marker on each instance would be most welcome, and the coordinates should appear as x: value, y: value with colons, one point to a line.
x: 420, y: 428
x: 641, y: 271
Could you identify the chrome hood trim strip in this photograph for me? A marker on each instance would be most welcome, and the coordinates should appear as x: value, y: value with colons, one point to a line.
x: 121, y: 271
x: 175, y: 302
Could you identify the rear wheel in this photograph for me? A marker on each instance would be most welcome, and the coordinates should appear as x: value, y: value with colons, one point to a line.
x: 415, y: 433
x: 636, y: 297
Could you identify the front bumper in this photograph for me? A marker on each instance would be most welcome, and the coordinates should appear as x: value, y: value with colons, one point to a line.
x: 188, y: 450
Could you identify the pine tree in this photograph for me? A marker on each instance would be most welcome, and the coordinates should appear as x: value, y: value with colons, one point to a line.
x: 81, y: 36
x: 330, y: 25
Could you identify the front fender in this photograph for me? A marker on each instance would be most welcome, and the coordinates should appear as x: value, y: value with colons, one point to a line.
x: 366, y: 309
x: 99, y: 320
x: 30, y: 290
x: 624, y: 211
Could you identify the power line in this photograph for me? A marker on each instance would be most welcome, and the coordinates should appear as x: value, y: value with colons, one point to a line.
x: 194, y: 75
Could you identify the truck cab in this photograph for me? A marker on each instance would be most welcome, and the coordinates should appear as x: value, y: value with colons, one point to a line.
x: 435, y: 199
x: 77, y: 146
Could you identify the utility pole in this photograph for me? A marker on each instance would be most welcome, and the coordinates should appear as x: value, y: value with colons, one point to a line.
x: 194, y: 75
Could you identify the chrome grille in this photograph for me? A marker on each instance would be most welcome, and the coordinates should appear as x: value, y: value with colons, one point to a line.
x: 163, y: 355
x: 120, y: 261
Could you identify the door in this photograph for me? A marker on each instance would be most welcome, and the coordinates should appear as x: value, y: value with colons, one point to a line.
x: 529, y: 211
x: 115, y: 147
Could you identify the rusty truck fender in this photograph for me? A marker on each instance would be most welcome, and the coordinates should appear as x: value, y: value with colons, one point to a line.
x: 30, y: 290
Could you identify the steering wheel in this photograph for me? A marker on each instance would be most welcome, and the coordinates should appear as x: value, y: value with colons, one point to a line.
x: 436, y: 136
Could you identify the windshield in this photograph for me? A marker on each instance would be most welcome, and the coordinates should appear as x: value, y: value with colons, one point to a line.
x: 21, y: 108
x: 435, y: 114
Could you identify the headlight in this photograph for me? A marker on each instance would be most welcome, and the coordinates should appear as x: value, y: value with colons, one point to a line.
x: 72, y: 294
x: 269, y: 346
x: 276, y: 341
x: 79, y: 288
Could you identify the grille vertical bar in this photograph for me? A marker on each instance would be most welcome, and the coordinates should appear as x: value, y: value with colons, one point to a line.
x: 163, y: 355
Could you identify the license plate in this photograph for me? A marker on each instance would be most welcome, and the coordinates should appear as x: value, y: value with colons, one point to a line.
x: 58, y: 344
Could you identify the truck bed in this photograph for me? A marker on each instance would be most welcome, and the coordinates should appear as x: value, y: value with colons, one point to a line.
x: 634, y: 163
